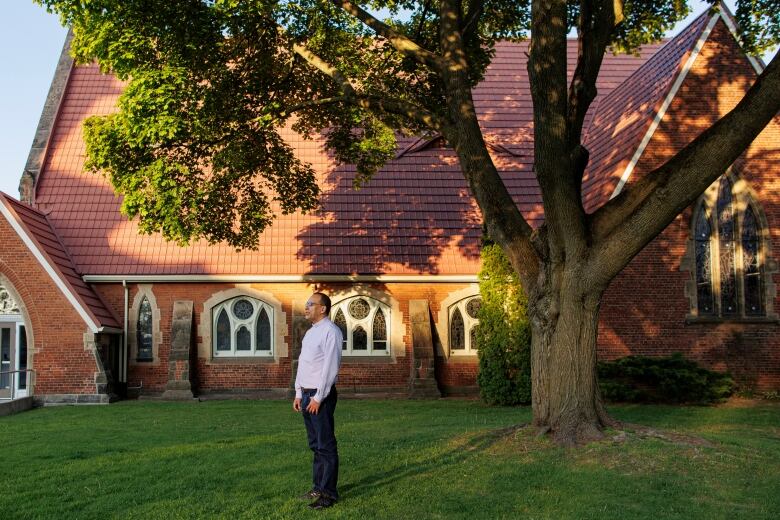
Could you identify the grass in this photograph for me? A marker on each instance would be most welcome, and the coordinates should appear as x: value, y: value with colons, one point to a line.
x: 399, y: 459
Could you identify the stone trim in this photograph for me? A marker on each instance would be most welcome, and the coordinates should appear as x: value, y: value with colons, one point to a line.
x: 143, y: 291
x: 51, y: 108
x: 397, y: 327
x: 65, y: 399
x: 743, y: 196
x: 280, y: 346
x: 443, y: 321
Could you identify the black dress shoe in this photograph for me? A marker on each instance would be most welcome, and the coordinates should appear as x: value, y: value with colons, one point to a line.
x: 322, y: 502
x: 311, y: 494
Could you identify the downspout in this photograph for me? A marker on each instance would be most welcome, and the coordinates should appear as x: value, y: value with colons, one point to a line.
x: 124, y: 336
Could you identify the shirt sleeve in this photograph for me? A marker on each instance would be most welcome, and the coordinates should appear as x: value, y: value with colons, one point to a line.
x: 330, y: 366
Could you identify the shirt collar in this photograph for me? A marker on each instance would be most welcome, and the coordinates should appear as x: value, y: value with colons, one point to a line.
x: 320, y: 323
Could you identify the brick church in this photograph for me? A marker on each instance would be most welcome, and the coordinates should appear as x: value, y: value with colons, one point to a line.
x: 90, y: 309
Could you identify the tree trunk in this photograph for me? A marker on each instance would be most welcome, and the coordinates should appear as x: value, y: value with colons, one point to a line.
x: 565, y: 394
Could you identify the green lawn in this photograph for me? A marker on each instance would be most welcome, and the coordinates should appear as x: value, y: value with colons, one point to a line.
x: 399, y: 460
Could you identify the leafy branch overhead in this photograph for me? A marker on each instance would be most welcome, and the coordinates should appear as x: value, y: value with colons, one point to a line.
x: 196, y: 148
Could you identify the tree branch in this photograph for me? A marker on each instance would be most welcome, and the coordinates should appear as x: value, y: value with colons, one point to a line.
x: 594, y: 31
x: 623, y: 226
x: 401, y: 43
x: 555, y: 161
x: 471, y: 23
x: 505, y: 224
x: 324, y: 67
x: 373, y: 102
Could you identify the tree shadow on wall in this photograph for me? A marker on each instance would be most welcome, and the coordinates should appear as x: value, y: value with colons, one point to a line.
x: 647, y: 308
x: 416, y: 215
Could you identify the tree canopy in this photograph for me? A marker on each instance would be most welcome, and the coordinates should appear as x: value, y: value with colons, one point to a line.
x: 196, y: 149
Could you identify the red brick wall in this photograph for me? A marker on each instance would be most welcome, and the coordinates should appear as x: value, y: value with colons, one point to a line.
x: 61, y: 364
x: 644, y: 310
x: 358, y: 375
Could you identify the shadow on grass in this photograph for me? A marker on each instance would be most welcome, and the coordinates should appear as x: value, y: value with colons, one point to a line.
x: 460, y: 453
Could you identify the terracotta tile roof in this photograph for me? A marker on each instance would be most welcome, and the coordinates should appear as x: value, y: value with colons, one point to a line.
x: 415, y: 217
x: 625, y: 114
x: 54, y: 256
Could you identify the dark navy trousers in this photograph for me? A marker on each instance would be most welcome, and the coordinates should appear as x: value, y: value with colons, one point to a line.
x: 320, y: 430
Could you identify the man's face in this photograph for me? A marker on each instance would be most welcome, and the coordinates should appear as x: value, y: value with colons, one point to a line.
x: 314, y: 310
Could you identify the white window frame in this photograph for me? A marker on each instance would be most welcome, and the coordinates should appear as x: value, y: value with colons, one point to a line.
x: 236, y: 323
x: 468, y: 324
x: 367, y: 323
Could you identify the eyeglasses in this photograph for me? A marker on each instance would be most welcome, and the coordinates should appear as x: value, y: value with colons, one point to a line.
x: 309, y: 304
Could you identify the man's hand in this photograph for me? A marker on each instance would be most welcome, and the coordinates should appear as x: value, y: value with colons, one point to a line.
x: 297, y: 404
x: 314, y: 406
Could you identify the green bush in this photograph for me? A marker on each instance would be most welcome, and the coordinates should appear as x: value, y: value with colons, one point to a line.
x: 503, y: 334
x: 672, y: 379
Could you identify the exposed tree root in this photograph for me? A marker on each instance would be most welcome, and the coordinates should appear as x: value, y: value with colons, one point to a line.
x: 679, y: 439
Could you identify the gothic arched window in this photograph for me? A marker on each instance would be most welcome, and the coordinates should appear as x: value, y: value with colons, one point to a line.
x: 464, y: 320
x: 364, y: 322
x: 727, y: 246
x: 242, y: 327
x: 145, y: 331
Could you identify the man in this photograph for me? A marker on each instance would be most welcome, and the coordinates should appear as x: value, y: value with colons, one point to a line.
x: 315, y: 396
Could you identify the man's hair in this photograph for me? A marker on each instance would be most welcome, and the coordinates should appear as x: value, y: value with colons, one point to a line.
x: 325, y: 301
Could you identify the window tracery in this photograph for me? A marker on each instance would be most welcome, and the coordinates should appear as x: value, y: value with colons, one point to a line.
x: 364, y: 324
x: 242, y: 328
x: 727, y: 250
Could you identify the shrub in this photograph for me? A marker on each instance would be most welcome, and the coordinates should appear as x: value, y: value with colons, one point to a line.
x: 672, y: 379
x: 503, y: 334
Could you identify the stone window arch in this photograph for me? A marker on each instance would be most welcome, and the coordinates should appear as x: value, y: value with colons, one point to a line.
x: 453, y: 310
x: 243, y: 326
x: 729, y: 255
x: 144, y: 336
x: 207, y: 331
x: 462, y: 325
x: 365, y: 324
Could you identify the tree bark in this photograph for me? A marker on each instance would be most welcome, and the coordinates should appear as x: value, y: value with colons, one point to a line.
x: 564, y: 313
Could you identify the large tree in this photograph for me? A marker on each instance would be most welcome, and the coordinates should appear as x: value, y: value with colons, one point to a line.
x: 196, y: 148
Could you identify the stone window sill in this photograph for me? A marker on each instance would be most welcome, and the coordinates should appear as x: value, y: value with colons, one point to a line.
x: 463, y: 358
x: 758, y: 320
x: 243, y: 361
x: 358, y: 360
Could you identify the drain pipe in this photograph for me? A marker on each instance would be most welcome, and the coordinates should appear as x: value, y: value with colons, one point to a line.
x: 124, y: 336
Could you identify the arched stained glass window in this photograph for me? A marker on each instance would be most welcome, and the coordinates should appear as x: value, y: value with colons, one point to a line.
x: 223, y: 331
x: 243, y: 327
x: 263, y: 331
x: 364, y: 323
x: 145, y: 331
x: 727, y: 243
x: 380, y: 330
x: 457, y: 331
x: 464, y: 319
x: 751, y: 267
x: 341, y: 323
x: 243, y: 339
x: 359, y: 338
x: 704, y: 264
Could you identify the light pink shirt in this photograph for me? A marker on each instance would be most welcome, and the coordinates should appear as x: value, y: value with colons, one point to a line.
x: 318, y: 364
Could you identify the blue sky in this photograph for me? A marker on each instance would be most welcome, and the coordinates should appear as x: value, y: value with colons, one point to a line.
x: 30, y: 44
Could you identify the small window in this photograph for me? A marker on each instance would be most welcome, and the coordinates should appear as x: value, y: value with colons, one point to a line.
x: 144, y: 331
x: 464, y: 319
x: 364, y: 324
x: 243, y: 327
